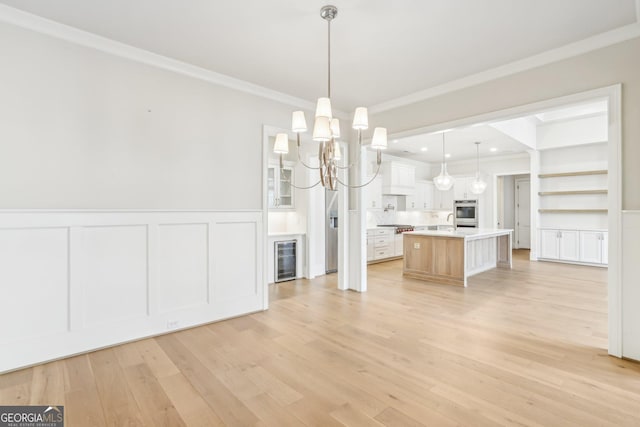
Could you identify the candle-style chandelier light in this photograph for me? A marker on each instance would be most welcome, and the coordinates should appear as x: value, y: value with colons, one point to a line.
x: 326, y: 130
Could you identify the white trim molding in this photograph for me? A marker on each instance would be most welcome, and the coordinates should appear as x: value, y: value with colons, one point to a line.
x: 70, y: 34
x: 599, y: 41
x: 80, y: 281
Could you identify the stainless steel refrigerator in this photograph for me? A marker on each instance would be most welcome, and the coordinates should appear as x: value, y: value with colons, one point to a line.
x: 331, y: 230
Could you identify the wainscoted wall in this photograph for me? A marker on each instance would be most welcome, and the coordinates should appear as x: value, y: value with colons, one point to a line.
x: 74, y: 281
x: 631, y: 284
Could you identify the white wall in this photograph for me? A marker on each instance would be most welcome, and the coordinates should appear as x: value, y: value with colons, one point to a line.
x: 81, y: 128
x: 124, y: 154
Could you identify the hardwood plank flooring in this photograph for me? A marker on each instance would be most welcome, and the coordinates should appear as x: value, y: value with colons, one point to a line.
x: 525, y: 346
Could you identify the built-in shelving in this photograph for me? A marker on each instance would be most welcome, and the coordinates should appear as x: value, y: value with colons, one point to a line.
x: 572, y: 192
x: 578, y: 173
x: 573, y: 210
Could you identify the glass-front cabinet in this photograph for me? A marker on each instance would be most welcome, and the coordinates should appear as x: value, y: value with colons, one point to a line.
x: 279, y: 189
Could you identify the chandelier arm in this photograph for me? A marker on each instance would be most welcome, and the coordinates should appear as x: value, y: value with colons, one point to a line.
x: 302, y: 188
x: 361, y: 185
x: 304, y: 164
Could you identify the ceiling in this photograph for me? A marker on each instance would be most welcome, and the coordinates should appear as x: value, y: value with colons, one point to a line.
x: 460, y: 142
x: 381, y: 50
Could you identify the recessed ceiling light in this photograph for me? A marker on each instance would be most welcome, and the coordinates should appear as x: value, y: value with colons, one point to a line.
x: 424, y: 149
x: 395, y: 141
x: 447, y: 155
x: 493, y: 149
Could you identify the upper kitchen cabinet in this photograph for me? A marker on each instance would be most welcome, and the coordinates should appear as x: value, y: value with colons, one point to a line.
x: 374, y: 193
x: 280, y: 194
x: 443, y: 200
x: 398, y: 178
x: 462, y: 188
x: 422, y: 199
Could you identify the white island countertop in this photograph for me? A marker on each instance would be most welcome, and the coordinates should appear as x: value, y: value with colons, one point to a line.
x: 463, y: 233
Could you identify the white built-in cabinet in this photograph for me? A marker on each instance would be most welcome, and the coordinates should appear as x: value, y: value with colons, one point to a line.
x: 443, y: 200
x: 580, y: 246
x: 422, y: 199
x: 462, y: 188
x: 280, y: 194
x: 559, y: 245
x: 374, y: 193
x: 594, y: 247
x: 398, y: 178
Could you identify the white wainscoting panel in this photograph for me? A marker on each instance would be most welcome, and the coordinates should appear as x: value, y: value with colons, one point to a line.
x: 34, y: 279
x: 183, y: 266
x: 631, y: 284
x: 235, y: 283
x: 115, y: 266
x: 75, y: 281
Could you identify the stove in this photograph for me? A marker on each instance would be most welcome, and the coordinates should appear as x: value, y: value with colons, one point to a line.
x: 400, y: 228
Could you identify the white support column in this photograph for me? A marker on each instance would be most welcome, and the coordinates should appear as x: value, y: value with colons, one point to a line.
x: 343, y: 227
x: 534, y: 157
x: 358, y: 224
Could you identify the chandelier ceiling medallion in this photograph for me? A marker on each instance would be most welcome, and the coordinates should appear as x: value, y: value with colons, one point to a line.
x: 326, y: 130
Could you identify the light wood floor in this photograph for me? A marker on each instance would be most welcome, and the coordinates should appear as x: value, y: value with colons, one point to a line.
x: 518, y: 347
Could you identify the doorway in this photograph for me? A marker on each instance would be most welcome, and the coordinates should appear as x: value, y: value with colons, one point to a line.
x: 522, y: 213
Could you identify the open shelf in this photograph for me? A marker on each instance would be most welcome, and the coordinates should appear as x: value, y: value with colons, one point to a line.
x: 571, y: 192
x: 579, y: 173
x: 573, y: 210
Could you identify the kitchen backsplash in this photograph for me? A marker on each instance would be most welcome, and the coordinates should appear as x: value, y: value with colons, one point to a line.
x: 392, y: 216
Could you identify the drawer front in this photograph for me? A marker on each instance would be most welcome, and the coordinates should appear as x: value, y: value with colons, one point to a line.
x: 382, y: 253
x: 381, y: 232
x: 382, y: 241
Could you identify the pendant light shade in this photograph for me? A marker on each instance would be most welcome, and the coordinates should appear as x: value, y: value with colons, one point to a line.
x: 360, y: 119
x: 478, y: 186
x: 281, y: 145
x: 337, y: 154
x: 335, y: 128
x: 379, y: 141
x: 323, y: 108
x: 298, y: 122
x: 444, y: 181
x: 322, y: 129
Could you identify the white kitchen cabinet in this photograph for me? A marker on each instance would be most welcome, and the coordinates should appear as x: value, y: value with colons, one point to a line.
x: 443, y: 200
x: 398, y: 178
x: 462, y: 188
x: 374, y: 193
x: 549, y: 248
x: 399, y: 248
x: 280, y: 193
x: 594, y: 247
x: 572, y: 246
x: 569, y: 245
x: 422, y: 199
x: 382, y: 242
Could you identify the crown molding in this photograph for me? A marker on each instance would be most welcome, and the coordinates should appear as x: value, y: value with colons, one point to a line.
x: 67, y: 33
x: 573, y: 49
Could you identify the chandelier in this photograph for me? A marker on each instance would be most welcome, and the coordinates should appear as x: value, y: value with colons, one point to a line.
x: 326, y: 130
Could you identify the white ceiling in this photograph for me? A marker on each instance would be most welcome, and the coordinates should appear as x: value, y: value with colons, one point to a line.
x: 381, y: 50
x: 460, y: 142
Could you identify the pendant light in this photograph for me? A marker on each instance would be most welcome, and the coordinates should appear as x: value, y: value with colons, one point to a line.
x: 478, y: 186
x: 444, y: 181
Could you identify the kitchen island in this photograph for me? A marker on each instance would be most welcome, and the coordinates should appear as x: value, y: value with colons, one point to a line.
x: 451, y: 256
